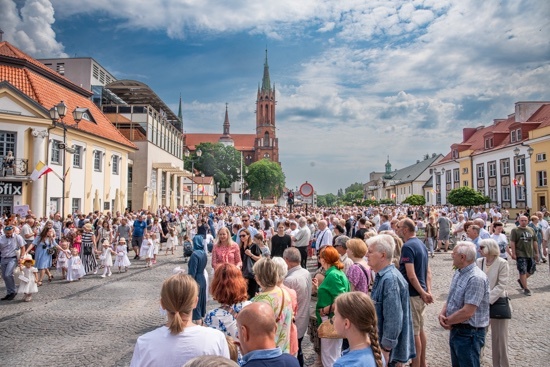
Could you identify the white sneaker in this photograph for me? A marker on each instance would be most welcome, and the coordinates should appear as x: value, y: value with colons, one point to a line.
x: 103, y: 275
x: 109, y: 274
x: 95, y: 271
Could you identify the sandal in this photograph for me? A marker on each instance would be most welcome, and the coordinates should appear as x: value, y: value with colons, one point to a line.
x: 39, y: 283
x: 50, y: 278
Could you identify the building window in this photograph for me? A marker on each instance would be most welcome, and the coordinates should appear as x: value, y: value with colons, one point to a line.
x: 266, y: 155
x: 456, y: 175
x: 465, y: 184
x: 520, y: 164
x: 60, y: 67
x: 7, y: 142
x: 56, y: 152
x: 541, y: 157
x: 95, y: 71
x: 520, y: 193
x: 448, y: 176
x: 505, y: 167
x: 77, y: 157
x: 518, y: 135
x: 542, y: 179
x: 488, y: 143
x: 492, y: 168
x: 454, y: 154
x: 266, y: 139
x: 75, y: 205
x: 97, y: 160
x: 480, y: 171
x: 505, y: 193
x: 115, y: 164
x: 493, y: 194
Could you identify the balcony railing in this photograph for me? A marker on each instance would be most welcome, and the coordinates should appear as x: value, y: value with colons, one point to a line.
x: 14, y: 167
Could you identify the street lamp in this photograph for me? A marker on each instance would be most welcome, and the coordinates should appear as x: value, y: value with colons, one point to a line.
x: 530, y: 152
x: 58, y: 113
x: 187, y: 154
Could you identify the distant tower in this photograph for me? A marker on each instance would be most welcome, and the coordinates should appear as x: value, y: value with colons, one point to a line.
x: 180, y: 116
x: 225, y: 139
x: 388, y: 174
x: 266, y: 145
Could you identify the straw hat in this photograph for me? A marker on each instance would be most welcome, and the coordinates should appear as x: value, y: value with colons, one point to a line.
x: 27, y: 258
x: 122, y: 240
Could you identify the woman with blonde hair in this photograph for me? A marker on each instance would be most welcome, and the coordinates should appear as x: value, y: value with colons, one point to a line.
x: 359, y: 274
x: 225, y: 251
x: 359, y: 328
x: 334, y: 284
x: 179, y: 340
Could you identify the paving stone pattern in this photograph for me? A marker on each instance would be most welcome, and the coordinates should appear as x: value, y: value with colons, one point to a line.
x: 96, y: 321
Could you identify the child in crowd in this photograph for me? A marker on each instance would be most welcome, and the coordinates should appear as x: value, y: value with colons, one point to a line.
x: 187, y: 248
x: 147, y: 250
x: 122, y: 260
x: 156, y: 246
x: 259, y: 240
x: 75, y: 269
x: 77, y: 240
x: 107, y: 258
x: 171, y: 241
x: 28, y: 278
x: 63, y: 257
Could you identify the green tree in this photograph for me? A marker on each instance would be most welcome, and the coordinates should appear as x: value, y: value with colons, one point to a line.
x: 415, y: 200
x: 265, y: 179
x: 340, y: 193
x: 321, y: 200
x: 219, y: 161
x: 354, y: 187
x: 466, y: 196
x: 353, y: 197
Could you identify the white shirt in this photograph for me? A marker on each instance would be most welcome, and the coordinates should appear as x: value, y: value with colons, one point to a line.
x: 324, y: 238
x: 160, y: 348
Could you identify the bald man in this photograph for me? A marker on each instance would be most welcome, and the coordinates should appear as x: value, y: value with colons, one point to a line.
x: 257, y: 327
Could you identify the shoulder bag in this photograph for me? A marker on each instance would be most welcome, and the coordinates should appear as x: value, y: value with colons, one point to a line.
x: 501, y: 308
x: 326, y: 329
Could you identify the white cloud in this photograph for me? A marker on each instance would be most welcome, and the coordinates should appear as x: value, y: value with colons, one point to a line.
x: 30, y: 27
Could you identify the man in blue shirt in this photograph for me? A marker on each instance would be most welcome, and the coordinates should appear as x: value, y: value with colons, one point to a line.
x: 256, y: 327
x: 138, y: 230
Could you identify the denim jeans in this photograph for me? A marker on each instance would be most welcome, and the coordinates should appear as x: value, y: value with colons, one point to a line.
x: 7, y: 266
x: 466, y: 346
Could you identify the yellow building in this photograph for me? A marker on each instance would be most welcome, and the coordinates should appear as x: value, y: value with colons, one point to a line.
x: 539, y: 141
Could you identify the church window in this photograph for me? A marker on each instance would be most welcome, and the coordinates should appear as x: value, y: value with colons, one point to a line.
x: 266, y: 139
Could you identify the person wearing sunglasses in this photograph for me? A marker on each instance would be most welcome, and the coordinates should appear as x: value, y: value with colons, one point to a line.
x: 248, y: 226
x: 10, y: 243
x: 250, y: 253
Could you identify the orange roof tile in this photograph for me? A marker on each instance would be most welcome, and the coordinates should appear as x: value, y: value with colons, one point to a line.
x: 207, y: 180
x: 47, y: 92
x: 542, y: 115
x: 242, y: 142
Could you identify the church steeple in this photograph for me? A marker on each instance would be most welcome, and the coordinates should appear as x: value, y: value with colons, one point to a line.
x: 226, y: 139
x: 388, y: 173
x: 266, y: 82
x: 180, y: 115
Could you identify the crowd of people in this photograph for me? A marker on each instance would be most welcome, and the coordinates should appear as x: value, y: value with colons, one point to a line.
x: 372, y: 259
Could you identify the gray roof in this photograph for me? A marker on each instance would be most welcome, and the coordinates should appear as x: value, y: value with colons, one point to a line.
x: 411, y: 173
x: 430, y: 182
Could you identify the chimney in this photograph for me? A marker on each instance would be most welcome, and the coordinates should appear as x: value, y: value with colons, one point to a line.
x: 1, y: 33
x: 524, y: 110
x: 467, y: 133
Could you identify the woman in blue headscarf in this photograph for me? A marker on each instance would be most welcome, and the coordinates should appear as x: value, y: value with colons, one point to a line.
x: 197, y: 264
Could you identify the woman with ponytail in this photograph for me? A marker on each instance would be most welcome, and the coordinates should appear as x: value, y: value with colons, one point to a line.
x: 360, y: 328
x: 179, y: 340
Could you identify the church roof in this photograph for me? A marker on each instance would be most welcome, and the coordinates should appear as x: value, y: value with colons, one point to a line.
x: 411, y: 173
x: 242, y: 142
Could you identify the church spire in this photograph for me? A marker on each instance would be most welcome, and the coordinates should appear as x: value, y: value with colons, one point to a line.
x: 180, y: 115
x: 388, y: 173
x: 266, y: 82
x: 226, y: 122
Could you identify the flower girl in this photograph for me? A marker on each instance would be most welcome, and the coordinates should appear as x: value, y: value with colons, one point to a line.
x: 147, y: 250
x: 75, y: 269
x: 171, y: 240
x: 63, y: 258
x: 106, y: 258
x: 122, y: 260
x: 28, y: 278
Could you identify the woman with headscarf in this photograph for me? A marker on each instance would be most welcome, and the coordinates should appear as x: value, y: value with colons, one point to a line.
x: 197, y: 264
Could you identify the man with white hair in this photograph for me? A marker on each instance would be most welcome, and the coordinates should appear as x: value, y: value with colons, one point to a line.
x: 301, y: 240
x: 324, y: 237
x: 483, y: 233
x: 466, y: 312
x: 390, y: 293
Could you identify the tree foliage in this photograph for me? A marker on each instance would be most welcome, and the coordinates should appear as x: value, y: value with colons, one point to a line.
x: 354, y: 187
x: 415, y: 200
x: 466, y: 196
x: 353, y: 197
x: 327, y: 200
x: 217, y: 160
x: 265, y: 178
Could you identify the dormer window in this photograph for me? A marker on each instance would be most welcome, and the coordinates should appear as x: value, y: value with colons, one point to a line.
x: 515, y: 135
x: 454, y: 154
x: 489, y: 143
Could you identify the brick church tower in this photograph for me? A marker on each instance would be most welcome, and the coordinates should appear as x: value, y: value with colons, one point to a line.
x: 266, y: 144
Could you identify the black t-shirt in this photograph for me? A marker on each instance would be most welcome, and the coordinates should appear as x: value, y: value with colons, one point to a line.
x: 279, y: 244
x: 360, y: 233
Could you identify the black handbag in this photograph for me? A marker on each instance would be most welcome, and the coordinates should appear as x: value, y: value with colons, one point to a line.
x: 501, y: 309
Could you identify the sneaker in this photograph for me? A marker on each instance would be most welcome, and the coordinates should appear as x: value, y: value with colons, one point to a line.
x: 109, y: 274
x: 95, y: 271
x: 103, y: 275
x: 8, y: 297
x: 520, y: 285
x: 527, y: 292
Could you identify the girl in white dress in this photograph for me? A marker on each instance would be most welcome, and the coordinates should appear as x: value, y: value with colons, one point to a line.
x: 63, y: 258
x: 75, y: 269
x: 122, y: 260
x: 147, y: 250
x: 172, y: 240
x: 28, y: 278
x: 106, y: 258
x: 156, y: 246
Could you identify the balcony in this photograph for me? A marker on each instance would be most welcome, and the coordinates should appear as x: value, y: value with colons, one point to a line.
x: 13, y: 167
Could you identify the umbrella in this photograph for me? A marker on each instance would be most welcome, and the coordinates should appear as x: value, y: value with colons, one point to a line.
x: 116, y: 206
x: 145, y: 200
x: 96, y: 201
x: 173, y: 204
x: 154, y: 205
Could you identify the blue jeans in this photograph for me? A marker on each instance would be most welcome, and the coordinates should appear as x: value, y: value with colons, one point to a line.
x: 8, y: 266
x: 466, y: 346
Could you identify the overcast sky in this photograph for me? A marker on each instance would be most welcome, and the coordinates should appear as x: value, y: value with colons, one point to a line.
x: 356, y: 80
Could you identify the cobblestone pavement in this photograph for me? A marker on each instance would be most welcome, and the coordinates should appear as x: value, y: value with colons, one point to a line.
x: 95, y: 322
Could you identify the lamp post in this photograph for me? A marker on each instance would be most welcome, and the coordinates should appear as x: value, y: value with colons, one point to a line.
x: 241, y: 172
x: 57, y: 114
x: 187, y: 154
x: 530, y: 152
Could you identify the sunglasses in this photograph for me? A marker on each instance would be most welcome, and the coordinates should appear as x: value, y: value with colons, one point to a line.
x: 245, y: 220
x: 8, y: 228
x: 242, y: 235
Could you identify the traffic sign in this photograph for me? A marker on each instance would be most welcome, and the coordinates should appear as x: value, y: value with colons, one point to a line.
x: 306, y: 189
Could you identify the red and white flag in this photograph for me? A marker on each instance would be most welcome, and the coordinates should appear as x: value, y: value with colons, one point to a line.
x: 40, y: 170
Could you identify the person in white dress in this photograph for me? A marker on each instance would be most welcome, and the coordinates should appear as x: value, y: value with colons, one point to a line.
x: 122, y: 260
x: 63, y: 258
x: 179, y: 340
x: 171, y: 241
x: 147, y: 250
x: 75, y: 268
x: 106, y: 258
x: 28, y: 278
